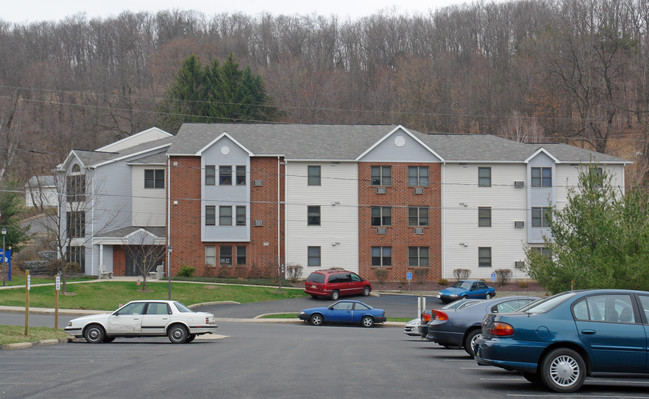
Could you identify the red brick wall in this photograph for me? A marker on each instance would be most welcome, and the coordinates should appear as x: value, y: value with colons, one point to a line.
x: 399, y: 235
x: 185, y: 214
x: 263, y: 206
x: 185, y: 220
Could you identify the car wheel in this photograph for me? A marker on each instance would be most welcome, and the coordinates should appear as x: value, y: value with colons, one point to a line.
x: 108, y: 339
x: 490, y: 295
x: 470, y: 340
x: 177, y: 334
x: 314, y: 296
x: 534, y: 378
x: 94, y: 334
x: 190, y: 337
x: 563, y: 370
x: 316, y: 319
x: 367, y: 321
x: 366, y: 291
x: 335, y: 295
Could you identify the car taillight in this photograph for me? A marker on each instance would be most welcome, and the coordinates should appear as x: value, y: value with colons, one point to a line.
x: 439, y: 315
x: 501, y: 329
x: 426, y: 317
x: 207, y: 320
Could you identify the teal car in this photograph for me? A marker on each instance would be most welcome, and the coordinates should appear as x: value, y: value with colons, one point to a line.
x: 559, y: 341
x: 467, y: 289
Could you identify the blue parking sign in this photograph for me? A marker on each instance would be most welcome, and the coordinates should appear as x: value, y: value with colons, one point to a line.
x: 409, y: 275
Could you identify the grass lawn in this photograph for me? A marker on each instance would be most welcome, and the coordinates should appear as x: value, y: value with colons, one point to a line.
x: 15, y: 334
x: 108, y: 295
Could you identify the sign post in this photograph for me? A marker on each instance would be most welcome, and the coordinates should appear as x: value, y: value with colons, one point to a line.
x: 28, y: 280
x: 409, y: 277
x: 57, y: 287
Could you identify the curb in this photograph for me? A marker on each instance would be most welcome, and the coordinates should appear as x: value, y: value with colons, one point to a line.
x: 25, y: 345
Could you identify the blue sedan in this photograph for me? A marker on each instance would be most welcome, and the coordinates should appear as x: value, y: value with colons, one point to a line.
x: 560, y: 340
x: 464, y: 289
x: 350, y: 312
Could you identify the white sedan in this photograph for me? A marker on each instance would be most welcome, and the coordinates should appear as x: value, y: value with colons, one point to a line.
x: 145, y: 318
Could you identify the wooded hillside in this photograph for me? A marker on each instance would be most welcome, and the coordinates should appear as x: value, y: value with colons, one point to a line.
x: 572, y: 71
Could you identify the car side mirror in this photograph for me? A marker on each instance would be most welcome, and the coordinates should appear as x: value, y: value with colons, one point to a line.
x: 331, y: 307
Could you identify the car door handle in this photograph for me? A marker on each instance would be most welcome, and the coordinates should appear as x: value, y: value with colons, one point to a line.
x: 588, y: 331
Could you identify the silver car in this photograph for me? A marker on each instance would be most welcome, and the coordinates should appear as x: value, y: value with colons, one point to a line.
x: 144, y: 318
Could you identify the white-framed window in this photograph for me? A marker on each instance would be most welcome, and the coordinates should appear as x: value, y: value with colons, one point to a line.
x: 314, y: 175
x: 484, y: 177
x: 484, y: 256
x: 417, y: 176
x: 225, y: 215
x: 541, y: 177
x: 241, y: 215
x: 210, y: 215
x: 381, y: 175
x: 210, y: 255
x: 210, y: 175
x: 484, y: 216
x: 381, y: 216
x: 225, y: 175
x: 313, y: 215
x: 382, y: 256
x: 418, y: 216
x: 418, y: 256
x: 154, y: 178
x: 241, y: 175
x: 313, y: 254
x: 540, y: 216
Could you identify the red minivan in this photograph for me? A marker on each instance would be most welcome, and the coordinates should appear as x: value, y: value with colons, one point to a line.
x: 335, y: 283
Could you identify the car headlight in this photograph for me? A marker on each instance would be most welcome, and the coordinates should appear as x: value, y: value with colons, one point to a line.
x: 70, y: 324
x: 302, y: 312
x: 453, y: 295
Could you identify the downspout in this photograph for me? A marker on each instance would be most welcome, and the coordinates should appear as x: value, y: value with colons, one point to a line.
x: 168, y: 216
x: 92, y: 227
x: 443, y: 221
x: 279, y: 241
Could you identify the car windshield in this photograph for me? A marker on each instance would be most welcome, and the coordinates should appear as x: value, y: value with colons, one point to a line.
x: 182, y: 308
x: 463, y: 284
x: 546, y: 304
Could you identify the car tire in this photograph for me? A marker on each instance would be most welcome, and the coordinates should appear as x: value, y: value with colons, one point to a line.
x: 109, y: 339
x: 94, y: 334
x: 314, y: 296
x: 316, y: 319
x: 335, y: 295
x: 563, y: 370
x: 177, y: 334
x: 366, y: 290
x: 490, y: 295
x: 190, y: 338
x: 471, y: 337
x: 367, y: 321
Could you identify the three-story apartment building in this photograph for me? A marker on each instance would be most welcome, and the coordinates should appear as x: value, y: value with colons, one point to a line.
x: 361, y: 197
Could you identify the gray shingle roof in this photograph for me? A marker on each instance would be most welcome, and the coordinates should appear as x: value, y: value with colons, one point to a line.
x: 347, y: 142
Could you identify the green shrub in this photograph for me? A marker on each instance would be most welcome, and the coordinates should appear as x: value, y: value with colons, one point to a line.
x: 186, y: 271
x: 442, y: 281
x: 523, y: 284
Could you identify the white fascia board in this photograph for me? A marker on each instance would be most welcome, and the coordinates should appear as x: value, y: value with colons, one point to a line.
x: 134, y: 136
x: 61, y: 167
x: 322, y: 160
x: 131, y: 155
x: 406, y: 131
x: 224, y: 134
x: 542, y: 150
x: 484, y: 161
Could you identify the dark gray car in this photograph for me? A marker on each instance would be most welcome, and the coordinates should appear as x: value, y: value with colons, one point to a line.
x: 461, y: 327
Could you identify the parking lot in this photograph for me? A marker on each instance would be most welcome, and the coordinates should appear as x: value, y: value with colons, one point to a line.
x: 252, y: 360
